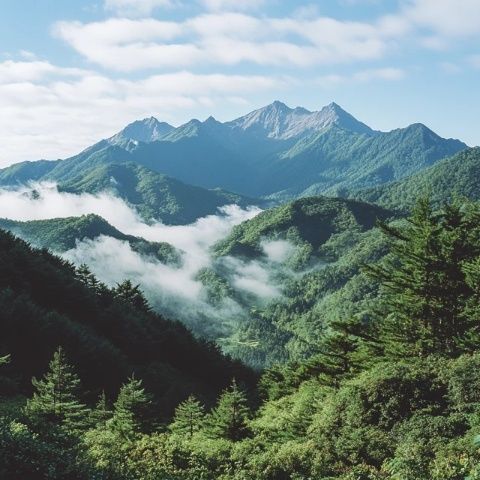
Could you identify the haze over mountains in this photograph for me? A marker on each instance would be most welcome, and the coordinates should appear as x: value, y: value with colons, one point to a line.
x: 276, y: 153
x: 151, y: 173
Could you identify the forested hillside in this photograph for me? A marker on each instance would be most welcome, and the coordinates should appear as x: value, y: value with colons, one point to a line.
x: 110, y: 334
x: 455, y: 176
x: 308, y: 223
x: 62, y: 234
x: 154, y: 195
x: 392, y: 393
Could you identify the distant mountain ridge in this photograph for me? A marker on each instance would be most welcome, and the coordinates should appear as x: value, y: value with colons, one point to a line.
x: 455, y: 176
x: 281, y: 122
x: 275, y: 152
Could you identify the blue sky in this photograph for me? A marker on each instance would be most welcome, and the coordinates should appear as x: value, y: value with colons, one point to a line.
x: 74, y: 72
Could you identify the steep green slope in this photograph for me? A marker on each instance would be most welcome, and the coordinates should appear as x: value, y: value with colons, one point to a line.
x: 290, y: 326
x: 109, y: 168
x: 457, y: 175
x: 62, y: 234
x: 318, y: 281
x: 307, y: 221
x: 45, y: 302
x: 392, y: 392
x: 153, y: 194
x: 289, y: 168
x: 337, y: 159
x: 25, y: 172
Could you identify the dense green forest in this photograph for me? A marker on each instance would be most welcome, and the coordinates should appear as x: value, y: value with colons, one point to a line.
x: 62, y: 234
x: 391, y: 392
x: 457, y: 175
x: 106, y: 168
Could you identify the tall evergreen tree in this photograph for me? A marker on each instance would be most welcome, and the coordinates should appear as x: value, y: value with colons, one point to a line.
x: 85, y: 275
x: 132, y: 294
x: 129, y: 409
x: 424, y: 285
x: 189, y: 417
x: 101, y: 413
x: 230, y: 417
x: 55, y: 399
x: 338, y: 349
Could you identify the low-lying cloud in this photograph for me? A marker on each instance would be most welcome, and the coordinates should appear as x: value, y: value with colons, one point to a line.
x: 173, y: 290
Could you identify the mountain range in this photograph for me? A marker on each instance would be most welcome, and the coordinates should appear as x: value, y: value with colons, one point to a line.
x: 275, y: 153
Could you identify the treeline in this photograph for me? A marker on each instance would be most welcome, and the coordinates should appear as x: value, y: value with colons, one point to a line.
x: 392, y: 393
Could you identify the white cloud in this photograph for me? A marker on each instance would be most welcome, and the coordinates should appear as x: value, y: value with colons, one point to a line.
x: 450, y: 67
x: 452, y: 18
x: 136, y: 8
x: 232, y: 4
x: 52, y: 112
x: 386, y: 74
x: 174, y: 290
x: 380, y: 74
x: 277, y: 251
x: 227, y: 39
x: 25, y: 71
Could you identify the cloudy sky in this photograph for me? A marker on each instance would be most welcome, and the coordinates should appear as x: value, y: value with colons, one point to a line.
x: 72, y: 72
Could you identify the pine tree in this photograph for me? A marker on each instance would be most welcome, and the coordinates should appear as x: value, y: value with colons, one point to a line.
x: 56, y: 396
x: 85, y: 275
x: 189, y: 417
x: 230, y: 418
x: 132, y: 294
x: 129, y: 409
x: 424, y: 287
x: 337, y: 351
x: 471, y: 339
x: 101, y: 413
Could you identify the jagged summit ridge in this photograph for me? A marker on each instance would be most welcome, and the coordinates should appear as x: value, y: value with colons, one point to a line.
x: 275, y: 121
x: 146, y: 130
x: 279, y: 121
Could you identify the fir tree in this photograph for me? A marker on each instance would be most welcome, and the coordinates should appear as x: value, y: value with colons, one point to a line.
x: 338, y: 349
x: 85, y: 275
x: 132, y: 294
x: 189, y: 417
x: 230, y: 418
x: 129, y: 409
x: 424, y: 287
x: 101, y: 413
x: 55, y: 399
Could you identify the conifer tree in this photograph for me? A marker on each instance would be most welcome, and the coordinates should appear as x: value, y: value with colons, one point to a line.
x: 132, y: 294
x: 101, y: 413
x: 230, y: 417
x: 55, y: 399
x: 129, y: 409
x: 424, y: 286
x: 472, y: 310
x: 189, y: 417
x: 338, y: 348
x: 85, y: 275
